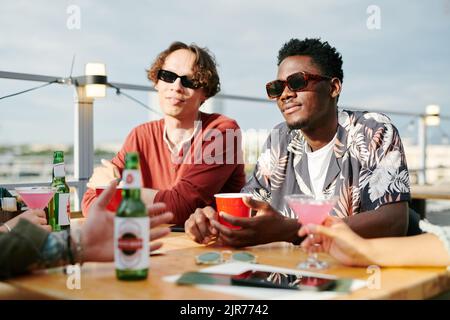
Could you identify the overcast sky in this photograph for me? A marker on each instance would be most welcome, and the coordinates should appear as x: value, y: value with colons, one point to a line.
x: 404, y: 65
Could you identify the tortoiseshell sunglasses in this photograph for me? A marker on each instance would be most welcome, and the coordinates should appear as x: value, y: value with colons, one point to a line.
x: 296, y: 82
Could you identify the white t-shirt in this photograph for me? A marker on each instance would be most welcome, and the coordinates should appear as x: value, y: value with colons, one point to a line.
x: 318, y: 162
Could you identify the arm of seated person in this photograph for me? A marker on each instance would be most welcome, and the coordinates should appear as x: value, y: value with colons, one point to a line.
x: 21, y: 248
x: 389, y: 220
x: 35, y: 216
x: 347, y: 247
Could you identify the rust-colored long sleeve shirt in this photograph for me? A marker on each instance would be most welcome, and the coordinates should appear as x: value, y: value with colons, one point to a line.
x: 212, y: 163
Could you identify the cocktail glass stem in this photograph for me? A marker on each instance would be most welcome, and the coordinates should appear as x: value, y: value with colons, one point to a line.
x: 312, y: 262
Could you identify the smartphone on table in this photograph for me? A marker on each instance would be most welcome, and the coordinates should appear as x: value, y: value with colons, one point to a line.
x: 282, y: 281
x: 259, y: 279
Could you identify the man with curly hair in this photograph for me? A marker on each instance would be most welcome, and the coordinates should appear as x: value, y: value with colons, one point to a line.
x: 318, y: 151
x: 184, y: 157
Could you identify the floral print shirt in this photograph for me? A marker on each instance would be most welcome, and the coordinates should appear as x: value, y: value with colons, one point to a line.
x: 367, y: 169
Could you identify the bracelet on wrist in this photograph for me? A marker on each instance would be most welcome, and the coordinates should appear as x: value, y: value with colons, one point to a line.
x: 8, y: 228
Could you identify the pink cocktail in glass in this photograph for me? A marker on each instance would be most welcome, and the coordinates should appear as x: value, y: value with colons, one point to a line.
x: 36, y: 197
x: 310, y: 210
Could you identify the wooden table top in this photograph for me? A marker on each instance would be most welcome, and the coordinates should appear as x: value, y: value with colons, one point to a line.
x: 98, y: 280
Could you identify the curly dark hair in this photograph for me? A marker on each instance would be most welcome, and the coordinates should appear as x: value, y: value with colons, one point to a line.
x: 205, y: 71
x: 326, y: 57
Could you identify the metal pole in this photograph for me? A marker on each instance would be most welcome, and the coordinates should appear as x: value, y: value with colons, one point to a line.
x: 422, y: 178
x: 83, y: 143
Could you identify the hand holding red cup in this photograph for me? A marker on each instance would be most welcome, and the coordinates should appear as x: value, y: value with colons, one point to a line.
x: 233, y: 204
x: 115, y: 201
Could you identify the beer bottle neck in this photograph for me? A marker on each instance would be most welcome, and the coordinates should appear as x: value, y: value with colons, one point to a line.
x: 134, y: 194
x: 59, y: 179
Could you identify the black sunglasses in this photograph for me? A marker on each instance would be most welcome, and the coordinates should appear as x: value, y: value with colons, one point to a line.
x: 295, y: 82
x: 171, y: 77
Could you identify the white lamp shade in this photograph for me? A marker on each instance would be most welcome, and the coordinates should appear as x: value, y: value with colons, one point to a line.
x: 432, y: 118
x: 432, y: 121
x: 95, y: 90
x: 433, y: 109
x: 95, y: 69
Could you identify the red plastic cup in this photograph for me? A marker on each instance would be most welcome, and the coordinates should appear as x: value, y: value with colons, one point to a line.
x: 232, y: 204
x: 116, y: 199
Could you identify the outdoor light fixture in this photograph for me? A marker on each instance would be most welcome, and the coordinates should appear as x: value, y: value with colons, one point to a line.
x: 430, y: 118
x: 432, y: 115
x: 94, y: 80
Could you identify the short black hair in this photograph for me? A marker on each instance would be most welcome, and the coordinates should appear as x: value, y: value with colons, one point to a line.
x: 325, y: 56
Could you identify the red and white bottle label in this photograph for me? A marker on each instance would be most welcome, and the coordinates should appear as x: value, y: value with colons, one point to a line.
x: 131, y: 179
x: 131, y: 243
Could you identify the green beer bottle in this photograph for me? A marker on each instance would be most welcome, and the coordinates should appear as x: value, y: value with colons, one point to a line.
x: 131, y: 226
x: 59, y: 208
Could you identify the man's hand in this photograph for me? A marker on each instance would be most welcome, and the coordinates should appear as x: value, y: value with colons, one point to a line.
x: 97, y: 233
x: 199, y: 228
x: 35, y: 216
x: 103, y: 175
x: 267, y: 226
x: 158, y: 216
